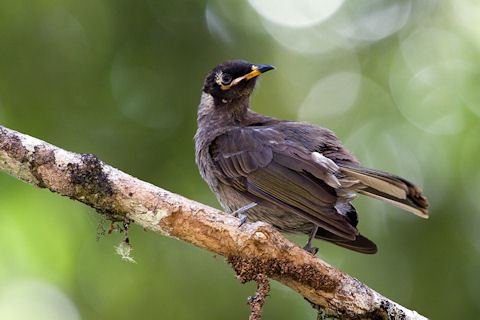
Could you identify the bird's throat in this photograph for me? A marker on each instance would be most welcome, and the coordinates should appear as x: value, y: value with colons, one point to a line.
x: 214, y: 112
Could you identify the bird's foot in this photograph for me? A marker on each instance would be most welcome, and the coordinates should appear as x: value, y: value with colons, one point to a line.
x: 310, y: 249
x: 241, y: 213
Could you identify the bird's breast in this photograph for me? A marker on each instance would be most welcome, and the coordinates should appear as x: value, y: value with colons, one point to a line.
x: 204, y: 161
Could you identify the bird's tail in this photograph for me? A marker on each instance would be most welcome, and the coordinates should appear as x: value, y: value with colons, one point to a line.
x: 361, y: 244
x: 389, y: 188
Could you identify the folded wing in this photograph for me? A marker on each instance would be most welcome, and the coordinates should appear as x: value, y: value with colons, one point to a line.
x: 263, y: 163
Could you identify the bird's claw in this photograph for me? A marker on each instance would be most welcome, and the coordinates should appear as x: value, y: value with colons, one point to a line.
x: 241, y: 213
x: 312, y: 250
x: 243, y: 218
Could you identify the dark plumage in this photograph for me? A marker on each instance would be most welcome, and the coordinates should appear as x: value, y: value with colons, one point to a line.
x: 299, y: 175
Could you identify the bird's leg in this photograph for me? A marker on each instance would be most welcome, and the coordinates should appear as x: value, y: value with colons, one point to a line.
x: 308, y: 247
x: 241, y: 213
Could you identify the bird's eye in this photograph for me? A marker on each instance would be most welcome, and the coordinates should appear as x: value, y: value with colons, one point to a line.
x: 226, y: 78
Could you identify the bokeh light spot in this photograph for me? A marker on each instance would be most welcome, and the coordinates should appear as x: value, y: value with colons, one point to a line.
x: 429, y: 98
x: 367, y: 20
x: 467, y: 14
x: 309, y: 40
x: 216, y: 26
x: 27, y: 299
x: 332, y: 95
x: 429, y: 46
x: 469, y: 91
x: 296, y: 13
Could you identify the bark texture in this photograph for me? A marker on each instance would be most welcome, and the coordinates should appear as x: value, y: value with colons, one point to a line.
x: 253, y: 250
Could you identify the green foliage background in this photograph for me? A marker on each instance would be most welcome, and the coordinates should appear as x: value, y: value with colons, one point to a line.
x: 397, y: 80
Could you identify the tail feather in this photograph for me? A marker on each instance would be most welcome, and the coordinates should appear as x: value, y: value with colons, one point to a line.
x: 361, y: 244
x: 389, y: 188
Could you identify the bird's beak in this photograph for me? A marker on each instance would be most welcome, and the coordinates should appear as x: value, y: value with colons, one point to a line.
x: 258, y: 69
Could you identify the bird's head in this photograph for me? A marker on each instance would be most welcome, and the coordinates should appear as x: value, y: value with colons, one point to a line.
x: 233, y: 80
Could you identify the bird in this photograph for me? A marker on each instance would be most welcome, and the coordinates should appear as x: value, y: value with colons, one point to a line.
x: 296, y: 176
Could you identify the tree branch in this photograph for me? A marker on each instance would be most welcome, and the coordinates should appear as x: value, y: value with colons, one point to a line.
x: 258, y: 300
x: 253, y: 249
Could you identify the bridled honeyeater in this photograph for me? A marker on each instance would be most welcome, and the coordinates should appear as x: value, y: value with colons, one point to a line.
x: 294, y: 175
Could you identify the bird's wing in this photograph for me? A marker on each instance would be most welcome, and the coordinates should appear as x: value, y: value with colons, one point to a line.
x: 263, y: 163
x: 355, y: 178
